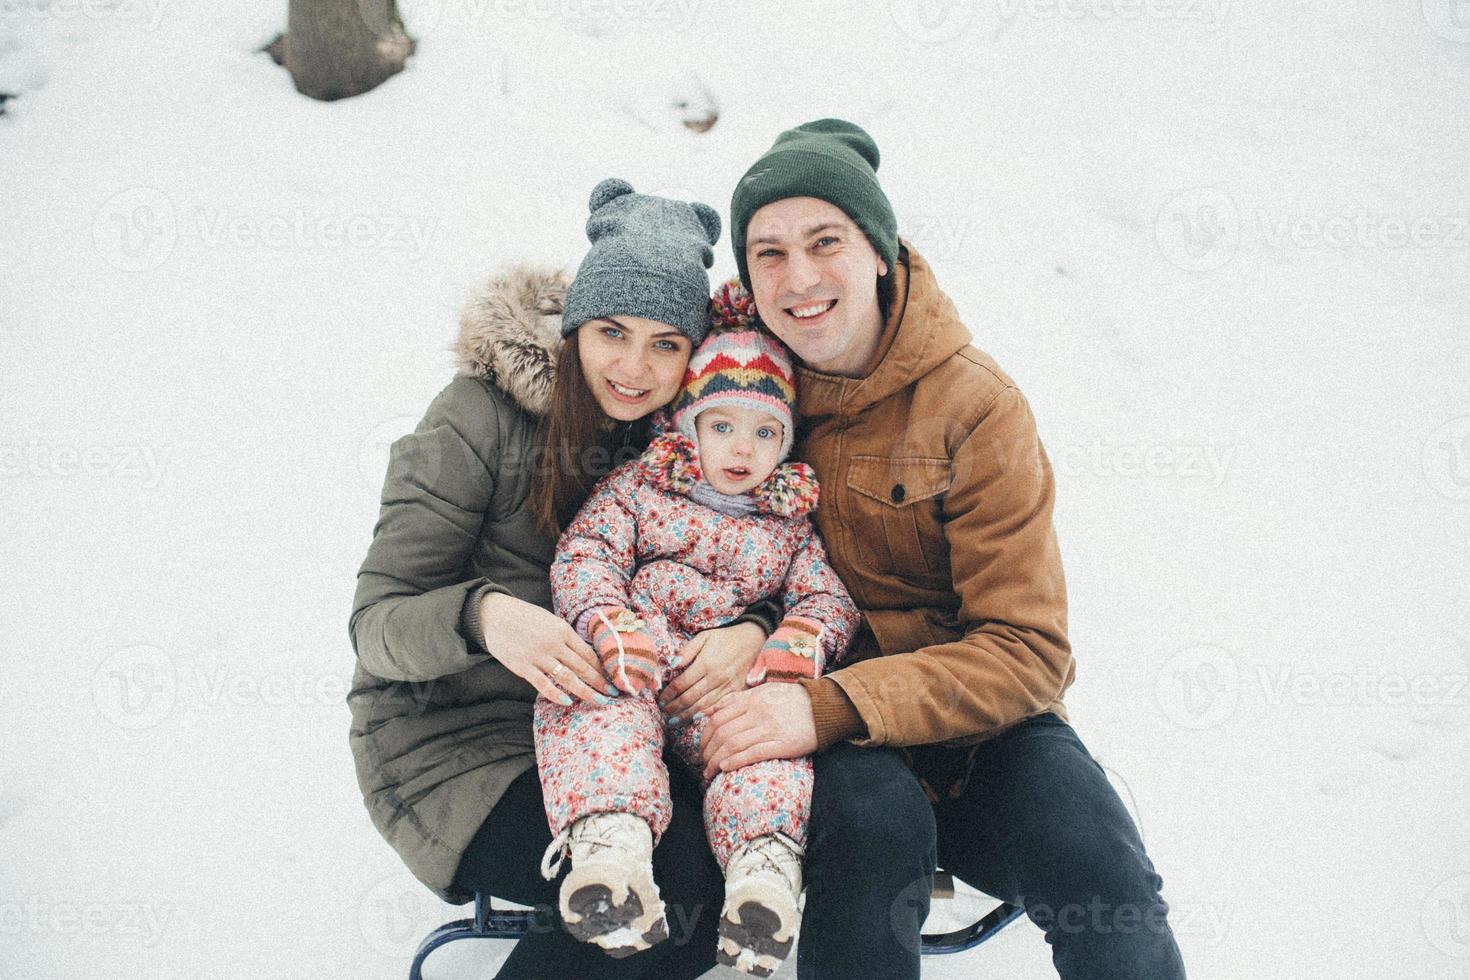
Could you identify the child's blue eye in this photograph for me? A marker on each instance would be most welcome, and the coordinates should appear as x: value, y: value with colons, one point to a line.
x: 765, y: 433
x: 722, y: 427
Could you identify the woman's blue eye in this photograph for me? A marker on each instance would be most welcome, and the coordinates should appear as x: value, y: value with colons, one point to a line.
x: 612, y: 332
x: 667, y: 345
x: 826, y: 240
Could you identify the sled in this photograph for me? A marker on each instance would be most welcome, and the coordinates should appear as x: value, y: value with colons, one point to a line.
x: 492, y: 923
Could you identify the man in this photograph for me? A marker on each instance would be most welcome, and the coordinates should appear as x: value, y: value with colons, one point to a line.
x: 945, y: 741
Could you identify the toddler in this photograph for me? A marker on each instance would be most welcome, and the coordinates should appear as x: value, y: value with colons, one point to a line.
x: 707, y: 522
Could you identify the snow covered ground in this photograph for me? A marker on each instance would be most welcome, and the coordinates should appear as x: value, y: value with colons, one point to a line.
x: 1221, y: 245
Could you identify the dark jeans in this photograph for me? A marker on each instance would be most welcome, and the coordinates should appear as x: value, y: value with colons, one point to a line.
x: 504, y: 860
x: 1038, y: 825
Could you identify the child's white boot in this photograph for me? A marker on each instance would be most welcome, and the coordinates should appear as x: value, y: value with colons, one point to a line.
x: 609, y: 897
x: 762, y: 888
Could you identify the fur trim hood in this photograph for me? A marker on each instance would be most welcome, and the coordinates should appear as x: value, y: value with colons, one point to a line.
x: 510, y: 333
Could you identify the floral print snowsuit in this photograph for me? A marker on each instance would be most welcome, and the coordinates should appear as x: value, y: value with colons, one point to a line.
x: 641, y: 543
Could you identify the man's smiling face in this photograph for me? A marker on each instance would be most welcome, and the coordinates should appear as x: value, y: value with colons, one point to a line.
x: 815, y: 275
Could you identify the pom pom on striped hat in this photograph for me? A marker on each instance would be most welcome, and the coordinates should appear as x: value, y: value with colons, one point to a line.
x: 740, y: 366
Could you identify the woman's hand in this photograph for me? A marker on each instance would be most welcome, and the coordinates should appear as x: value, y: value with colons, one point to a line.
x: 541, y: 649
x: 714, y: 663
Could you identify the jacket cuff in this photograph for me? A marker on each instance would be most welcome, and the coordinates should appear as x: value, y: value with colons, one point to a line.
x: 832, y: 711
x: 470, y: 626
x: 764, y: 614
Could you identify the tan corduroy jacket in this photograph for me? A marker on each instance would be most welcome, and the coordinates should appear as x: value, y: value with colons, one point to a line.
x: 937, y: 513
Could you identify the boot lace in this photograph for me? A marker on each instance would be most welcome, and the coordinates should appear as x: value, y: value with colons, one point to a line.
x: 594, y: 834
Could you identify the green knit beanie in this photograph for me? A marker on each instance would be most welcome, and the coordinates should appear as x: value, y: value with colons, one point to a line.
x: 830, y: 159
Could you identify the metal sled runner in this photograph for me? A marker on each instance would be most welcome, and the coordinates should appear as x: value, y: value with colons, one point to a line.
x: 492, y: 923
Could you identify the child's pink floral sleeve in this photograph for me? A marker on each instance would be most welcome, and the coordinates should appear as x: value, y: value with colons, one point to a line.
x: 821, y: 620
x: 596, y: 556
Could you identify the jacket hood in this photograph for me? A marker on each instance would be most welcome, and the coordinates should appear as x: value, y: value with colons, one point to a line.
x: 671, y: 463
x: 922, y: 332
x: 510, y: 333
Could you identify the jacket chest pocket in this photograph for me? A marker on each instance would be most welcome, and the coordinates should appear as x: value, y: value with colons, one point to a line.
x: 894, y: 513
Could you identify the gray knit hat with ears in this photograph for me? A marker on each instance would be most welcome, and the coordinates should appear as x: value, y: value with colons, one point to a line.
x: 648, y: 258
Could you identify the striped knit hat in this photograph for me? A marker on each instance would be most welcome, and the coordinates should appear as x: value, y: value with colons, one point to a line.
x: 744, y: 367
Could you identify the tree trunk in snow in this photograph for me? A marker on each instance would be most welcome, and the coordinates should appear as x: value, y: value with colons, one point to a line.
x: 335, y: 49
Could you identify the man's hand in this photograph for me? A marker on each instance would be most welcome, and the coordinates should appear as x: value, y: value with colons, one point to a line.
x: 714, y: 663
x: 770, y: 721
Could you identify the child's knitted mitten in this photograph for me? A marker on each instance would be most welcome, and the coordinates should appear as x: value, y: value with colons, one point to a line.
x: 792, y: 652
x: 626, y: 649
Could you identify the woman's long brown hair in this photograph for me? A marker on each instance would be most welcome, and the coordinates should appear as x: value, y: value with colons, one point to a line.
x: 580, y: 444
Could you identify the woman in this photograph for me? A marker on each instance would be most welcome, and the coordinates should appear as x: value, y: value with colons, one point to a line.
x: 451, y: 621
